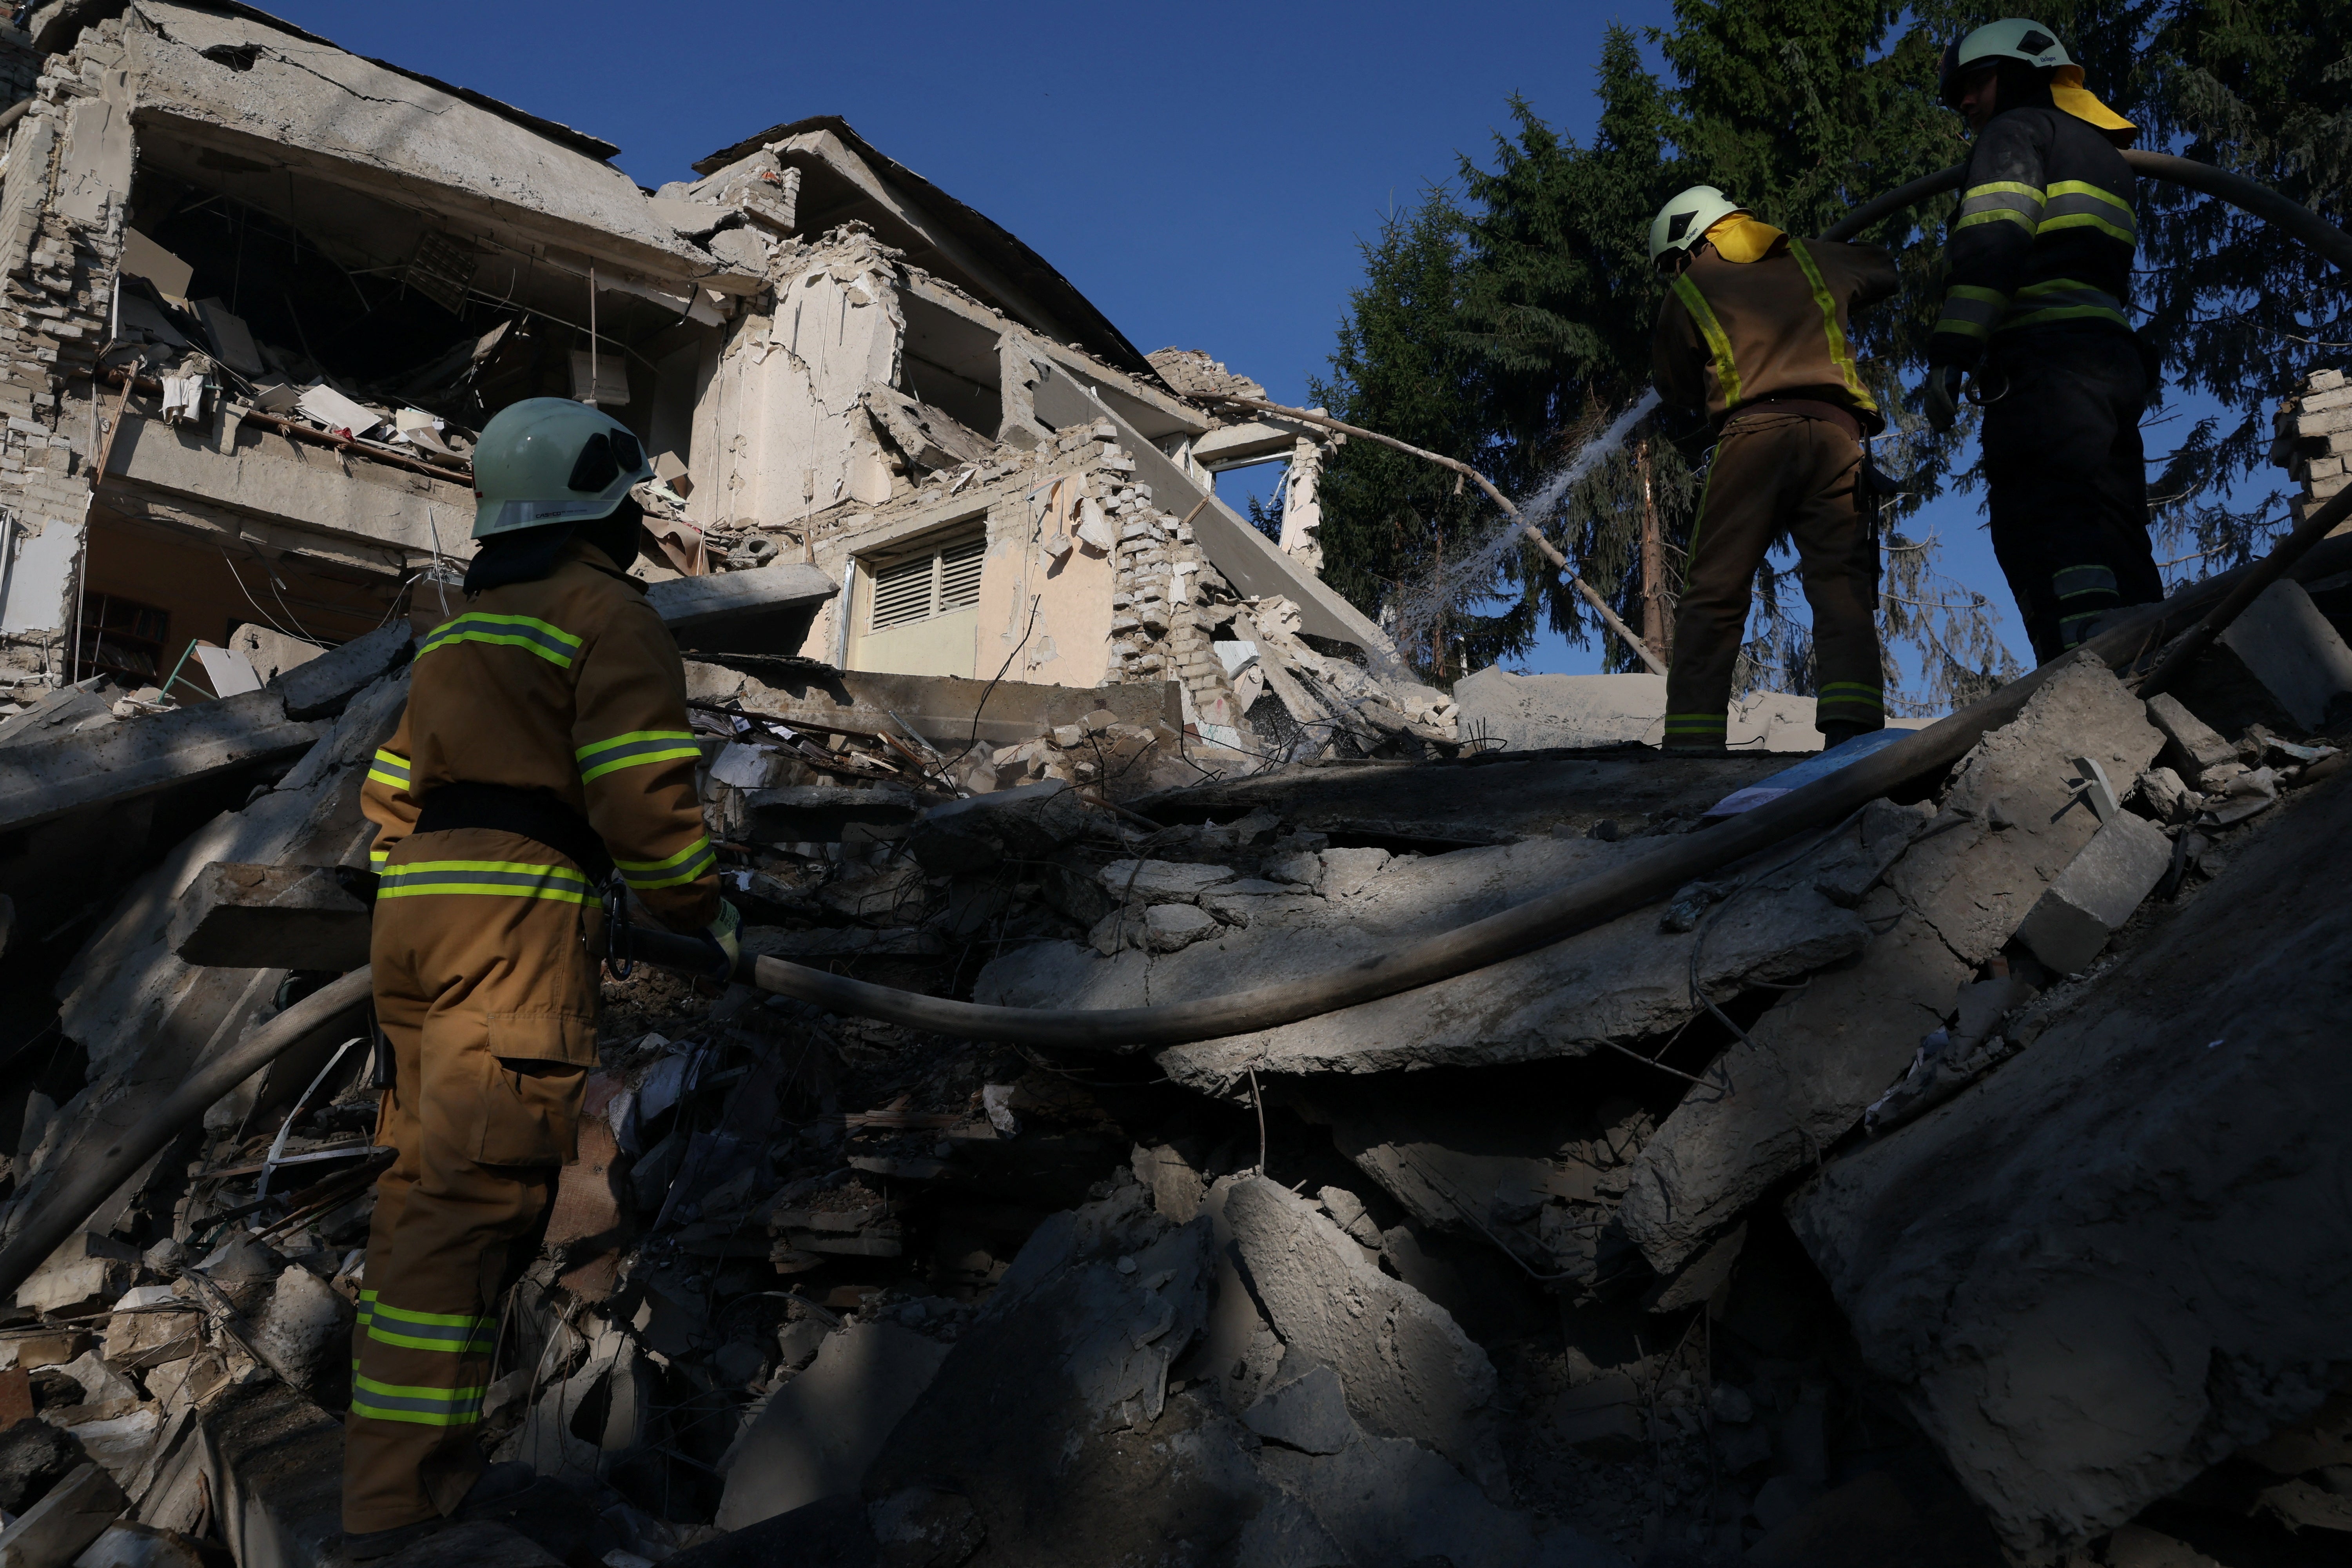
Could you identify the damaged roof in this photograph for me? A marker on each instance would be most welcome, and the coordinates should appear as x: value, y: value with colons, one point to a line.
x: 1071, y: 311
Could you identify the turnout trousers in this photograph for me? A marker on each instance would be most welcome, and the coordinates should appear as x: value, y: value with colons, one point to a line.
x: 1778, y: 473
x: 2067, y: 487
x: 486, y: 988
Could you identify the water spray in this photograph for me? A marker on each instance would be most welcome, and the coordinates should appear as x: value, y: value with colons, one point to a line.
x: 1593, y: 452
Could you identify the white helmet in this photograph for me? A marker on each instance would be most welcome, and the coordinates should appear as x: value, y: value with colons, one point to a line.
x: 1682, y: 222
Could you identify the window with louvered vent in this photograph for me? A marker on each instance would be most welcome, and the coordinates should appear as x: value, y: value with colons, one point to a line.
x: 921, y: 586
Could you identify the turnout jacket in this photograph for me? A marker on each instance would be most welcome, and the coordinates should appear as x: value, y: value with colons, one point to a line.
x: 2043, y: 234
x: 571, y: 685
x: 1736, y: 332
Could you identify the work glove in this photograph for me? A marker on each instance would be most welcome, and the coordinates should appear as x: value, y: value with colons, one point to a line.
x: 725, y: 937
x: 1944, y: 397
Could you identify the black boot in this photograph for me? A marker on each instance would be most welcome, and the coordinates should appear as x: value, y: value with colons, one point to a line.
x: 497, y: 1485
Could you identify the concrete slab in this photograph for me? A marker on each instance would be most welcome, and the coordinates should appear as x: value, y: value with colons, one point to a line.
x: 2284, y: 642
x: 43, y: 780
x: 946, y: 708
x: 2120, y: 1258
x: 1623, y: 980
x: 270, y: 917
x: 768, y: 610
x: 2013, y: 819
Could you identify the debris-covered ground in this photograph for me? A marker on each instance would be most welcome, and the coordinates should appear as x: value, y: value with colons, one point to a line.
x: 1957, y: 1185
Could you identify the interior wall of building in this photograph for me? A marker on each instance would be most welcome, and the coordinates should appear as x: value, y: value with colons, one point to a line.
x: 205, y: 591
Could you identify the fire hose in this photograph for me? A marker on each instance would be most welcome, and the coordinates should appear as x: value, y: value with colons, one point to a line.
x: 2201, y: 610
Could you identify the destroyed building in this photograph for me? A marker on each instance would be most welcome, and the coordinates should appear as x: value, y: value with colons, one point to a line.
x: 1948, y: 1178
x: 299, y: 281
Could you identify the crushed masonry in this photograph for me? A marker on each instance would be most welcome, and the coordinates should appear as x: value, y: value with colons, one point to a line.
x: 1954, y: 1184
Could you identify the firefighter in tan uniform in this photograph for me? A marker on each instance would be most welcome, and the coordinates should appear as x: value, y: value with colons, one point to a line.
x: 1754, y: 331
x: 545, y: 747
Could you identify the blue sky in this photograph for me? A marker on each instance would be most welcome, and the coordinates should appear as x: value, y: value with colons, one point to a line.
x: 1204, y: 175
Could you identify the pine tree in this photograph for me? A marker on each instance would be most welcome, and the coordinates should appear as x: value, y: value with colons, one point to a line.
x: 1391, y: 523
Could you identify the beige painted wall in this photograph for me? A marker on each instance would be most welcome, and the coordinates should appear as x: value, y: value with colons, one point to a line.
x: 944, y: 645
x: 1069, y: 645
x: 781, y: 428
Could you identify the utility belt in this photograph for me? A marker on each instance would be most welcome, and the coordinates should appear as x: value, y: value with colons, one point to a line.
x: 1812, y: 409
x: 533, y: 814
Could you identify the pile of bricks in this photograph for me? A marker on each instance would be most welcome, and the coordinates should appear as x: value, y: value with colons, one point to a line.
x: 2313, y: 438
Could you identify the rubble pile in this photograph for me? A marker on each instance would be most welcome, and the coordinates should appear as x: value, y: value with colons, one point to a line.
x: 1919, y: 1190
x: 1956, y: 1184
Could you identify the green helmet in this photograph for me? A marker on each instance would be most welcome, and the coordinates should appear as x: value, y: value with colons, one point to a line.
x: 1682, y: 222
x: 550, y: 460
x: 2010, y: 38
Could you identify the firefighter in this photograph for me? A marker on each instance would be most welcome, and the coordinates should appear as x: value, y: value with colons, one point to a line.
x: 545, y: 745
x: 1754, y: 331
x: 2037, y: 288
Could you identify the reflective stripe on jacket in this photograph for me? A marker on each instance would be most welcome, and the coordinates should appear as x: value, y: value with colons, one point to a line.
x: 1734, y: 333
x: 2043, y: 234
x: 571, y: 685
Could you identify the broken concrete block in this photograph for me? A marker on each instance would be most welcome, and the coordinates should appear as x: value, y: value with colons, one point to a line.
x: 821, y: 1430
x: 2284, y: 642
x: 2014, y: 1262
x: 86, y: 1272
x: 1536, y: 711
x: 1408, y: 1369
x: 1161, y: 881
x: 2097, y: 893
x: 1029, y: 824
x: 2194, y: 745
x: 1175, y: 1185
x: 1346, y: 872
x: 318, y: 688
x: 1803, y: 1077
x: 306, y: 1326
x: 1170, y: 928
x: 53, y: 1531
x: 1347, y: 1211
x: 270, y: 917
x: 2166, y: 794
x: 1057, y: 1391
x: 100, y: 1384
x: 43, y: 779
x: 1309, y: 1414
x: 2014, y: 816
x: 2015, y: 813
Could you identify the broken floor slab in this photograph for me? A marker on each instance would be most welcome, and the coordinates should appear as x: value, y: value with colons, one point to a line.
x: 1497, y: 799
x: 947, y: 708
x: 2014, y: 815
x: 2121, y: 1259
x: 43, y: 779
x: 1623, y: 980
x: 767, y: 609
